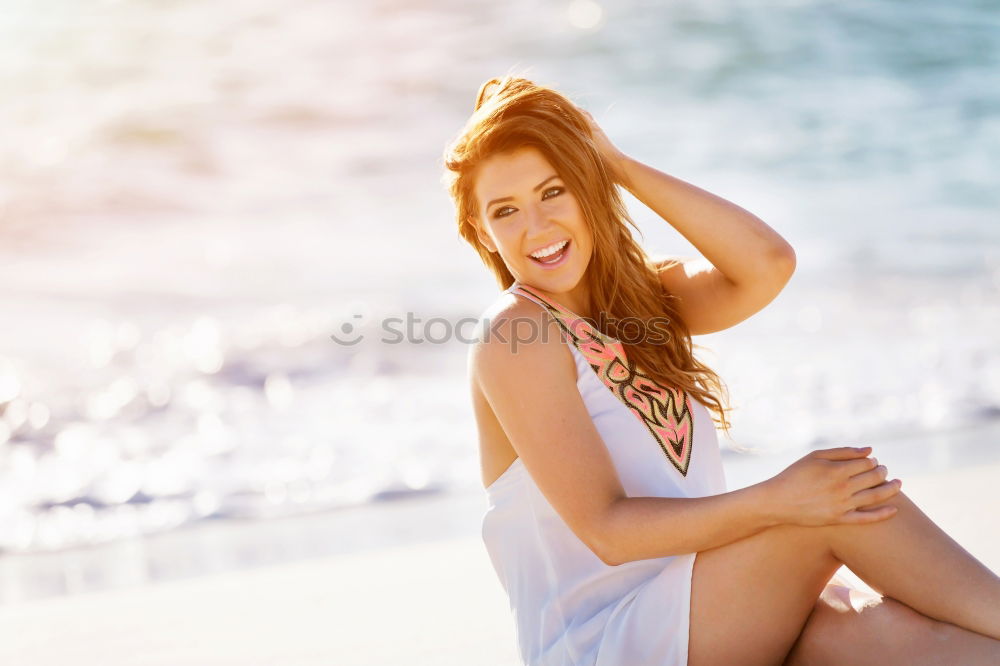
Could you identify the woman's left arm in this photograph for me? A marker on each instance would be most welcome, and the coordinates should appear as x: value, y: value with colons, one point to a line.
x: 746, y: 263
x: 737, y: 242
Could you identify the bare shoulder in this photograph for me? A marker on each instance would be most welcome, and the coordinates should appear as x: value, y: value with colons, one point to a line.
x: 528, y: 380
x: 514, y: 328
x: 504, y: 330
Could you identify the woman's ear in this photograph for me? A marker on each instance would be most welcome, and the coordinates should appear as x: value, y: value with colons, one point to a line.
x: 484, y: 237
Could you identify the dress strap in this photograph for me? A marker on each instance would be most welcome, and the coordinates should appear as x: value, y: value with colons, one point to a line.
x: 571, y: 323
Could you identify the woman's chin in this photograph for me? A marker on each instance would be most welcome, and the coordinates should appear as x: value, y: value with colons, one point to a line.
x: 555, y: 282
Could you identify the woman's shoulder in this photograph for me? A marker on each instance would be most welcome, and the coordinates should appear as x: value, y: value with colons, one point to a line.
x: 509, y: 312
x: 514, y: 332
x: 504, y: 302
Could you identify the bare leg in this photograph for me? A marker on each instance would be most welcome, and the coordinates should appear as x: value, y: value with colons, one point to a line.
x: 750, y: 599
x: 911, y: 559
x: 880, y: 630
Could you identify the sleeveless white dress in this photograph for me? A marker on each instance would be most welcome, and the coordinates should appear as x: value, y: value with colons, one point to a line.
x: 569, y: 607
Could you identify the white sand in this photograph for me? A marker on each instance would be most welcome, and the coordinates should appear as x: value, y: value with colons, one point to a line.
x: 434, y: 603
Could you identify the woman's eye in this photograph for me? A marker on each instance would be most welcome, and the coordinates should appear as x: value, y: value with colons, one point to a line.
x: 499, y: 212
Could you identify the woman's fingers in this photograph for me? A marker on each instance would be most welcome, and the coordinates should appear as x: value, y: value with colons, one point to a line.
x: 858, y: 465
x: 841, y: 453
x: 868, y: 479
x: 877, y: 494
x: 872, y: 515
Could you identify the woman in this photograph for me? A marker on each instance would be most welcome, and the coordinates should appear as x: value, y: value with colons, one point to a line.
x: 609, y: 523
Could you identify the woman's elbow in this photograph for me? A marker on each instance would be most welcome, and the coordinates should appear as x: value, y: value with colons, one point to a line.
x: 606, y: 555
x: 785, y: 258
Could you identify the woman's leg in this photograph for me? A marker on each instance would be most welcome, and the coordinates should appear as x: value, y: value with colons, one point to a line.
x: 880, y: 630
x: 909, y: 558
x: 750, y: 599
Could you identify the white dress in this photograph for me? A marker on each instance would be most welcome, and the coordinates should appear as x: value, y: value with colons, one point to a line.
x: 569, y: 607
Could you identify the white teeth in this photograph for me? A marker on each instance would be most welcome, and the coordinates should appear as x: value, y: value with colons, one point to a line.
x: 550, y: 250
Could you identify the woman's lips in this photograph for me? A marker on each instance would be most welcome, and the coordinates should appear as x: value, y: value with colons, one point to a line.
x: 556, y: 260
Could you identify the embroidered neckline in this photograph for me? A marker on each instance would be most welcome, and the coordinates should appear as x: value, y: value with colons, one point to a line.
x: 666, y: 412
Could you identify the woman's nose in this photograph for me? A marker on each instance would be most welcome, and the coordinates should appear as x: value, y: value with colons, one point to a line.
x: 538, y: 222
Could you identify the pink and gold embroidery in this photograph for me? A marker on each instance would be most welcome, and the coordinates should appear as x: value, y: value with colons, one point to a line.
x: 666, y: 412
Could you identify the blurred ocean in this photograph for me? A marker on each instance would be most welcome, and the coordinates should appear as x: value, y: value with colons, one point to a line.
x: 194, y: 196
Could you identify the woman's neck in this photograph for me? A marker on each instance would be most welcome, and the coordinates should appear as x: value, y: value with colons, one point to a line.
x: 576, y: 300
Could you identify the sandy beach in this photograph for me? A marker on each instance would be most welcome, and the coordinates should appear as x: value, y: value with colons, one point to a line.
x: 436, y: 602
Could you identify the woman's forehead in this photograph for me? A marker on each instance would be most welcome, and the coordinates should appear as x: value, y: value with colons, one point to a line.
x: 504, y: 174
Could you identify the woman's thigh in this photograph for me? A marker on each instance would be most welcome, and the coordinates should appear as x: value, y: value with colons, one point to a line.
x: 750, y: 599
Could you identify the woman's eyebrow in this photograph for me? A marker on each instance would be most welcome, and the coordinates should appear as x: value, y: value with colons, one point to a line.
x: 535, y: 189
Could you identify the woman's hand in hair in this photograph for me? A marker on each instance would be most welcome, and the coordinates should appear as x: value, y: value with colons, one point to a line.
x: 614, y: 159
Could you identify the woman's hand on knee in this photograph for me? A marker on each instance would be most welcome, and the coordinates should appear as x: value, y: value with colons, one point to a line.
x: 833, y: 487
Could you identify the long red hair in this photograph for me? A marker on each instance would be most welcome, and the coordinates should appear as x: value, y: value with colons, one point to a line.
x: 511, y: 112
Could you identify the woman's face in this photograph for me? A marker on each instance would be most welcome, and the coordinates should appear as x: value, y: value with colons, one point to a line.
x: 528, y: 215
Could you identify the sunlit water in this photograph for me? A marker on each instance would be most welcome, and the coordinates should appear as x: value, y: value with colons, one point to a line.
x: 195, y: 196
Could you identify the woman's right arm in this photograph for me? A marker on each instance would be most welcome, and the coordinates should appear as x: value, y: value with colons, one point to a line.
x: 528, y: 376
x: 529, y: 380
x: 824, y: 487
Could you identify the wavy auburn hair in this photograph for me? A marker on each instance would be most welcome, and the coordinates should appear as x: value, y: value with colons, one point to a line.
x: 512, y: 112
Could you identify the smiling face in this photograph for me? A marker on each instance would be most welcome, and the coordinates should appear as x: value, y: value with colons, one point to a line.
x: 535, y: 222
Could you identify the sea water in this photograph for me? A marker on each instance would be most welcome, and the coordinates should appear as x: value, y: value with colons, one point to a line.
x: 197, y: 197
